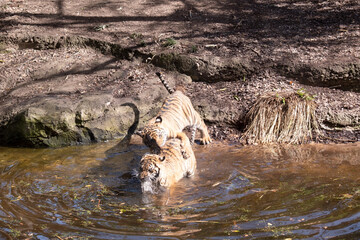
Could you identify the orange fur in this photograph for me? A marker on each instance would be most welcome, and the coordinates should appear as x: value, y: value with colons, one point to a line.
x: 176, y: 114
x: 160, y: 171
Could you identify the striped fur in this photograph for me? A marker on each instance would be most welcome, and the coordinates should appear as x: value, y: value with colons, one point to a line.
x: 165, y: 83
x: 160, y: 171
x: 176, y: 113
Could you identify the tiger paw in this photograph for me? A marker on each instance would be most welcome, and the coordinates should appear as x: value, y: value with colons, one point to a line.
x: 205, y: 140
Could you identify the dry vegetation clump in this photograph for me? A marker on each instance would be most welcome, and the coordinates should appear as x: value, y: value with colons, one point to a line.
x: 287, y: 117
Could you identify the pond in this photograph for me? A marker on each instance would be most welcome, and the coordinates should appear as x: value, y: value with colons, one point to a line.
x: 252, y: 192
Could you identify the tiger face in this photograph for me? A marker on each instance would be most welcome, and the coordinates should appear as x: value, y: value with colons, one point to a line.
x: 154, y: 136
x: 159, y: 172
x: 150, y: 167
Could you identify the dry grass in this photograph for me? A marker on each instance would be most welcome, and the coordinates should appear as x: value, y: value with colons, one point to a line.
x: 287, y: 117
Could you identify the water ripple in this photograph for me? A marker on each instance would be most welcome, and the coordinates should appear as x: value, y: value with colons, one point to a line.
x: 238, y: 192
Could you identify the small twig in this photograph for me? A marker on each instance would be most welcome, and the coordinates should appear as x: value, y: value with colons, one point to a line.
x: 336, y: 86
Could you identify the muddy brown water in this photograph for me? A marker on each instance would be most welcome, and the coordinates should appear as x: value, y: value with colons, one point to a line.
x: 253, y: 192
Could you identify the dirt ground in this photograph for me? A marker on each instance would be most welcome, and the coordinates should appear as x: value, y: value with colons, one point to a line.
x: 316, y: 30
x: 264, y: 33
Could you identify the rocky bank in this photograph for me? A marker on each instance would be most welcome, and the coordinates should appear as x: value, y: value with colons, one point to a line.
x: 72, y: 77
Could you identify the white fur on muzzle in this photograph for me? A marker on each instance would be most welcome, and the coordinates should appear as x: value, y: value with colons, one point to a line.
x: 147, y: 186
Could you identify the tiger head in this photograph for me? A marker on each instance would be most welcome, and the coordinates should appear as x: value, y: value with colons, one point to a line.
x: 154, y: 135
x: 150, y: 177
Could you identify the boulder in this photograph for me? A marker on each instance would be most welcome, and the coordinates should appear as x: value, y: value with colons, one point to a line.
x: 55, y: 122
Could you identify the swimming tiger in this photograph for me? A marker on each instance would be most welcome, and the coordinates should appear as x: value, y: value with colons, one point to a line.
x: 176, y: 113
x: 160, y: 171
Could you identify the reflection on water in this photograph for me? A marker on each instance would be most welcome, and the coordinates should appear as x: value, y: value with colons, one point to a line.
x: 310, y: 191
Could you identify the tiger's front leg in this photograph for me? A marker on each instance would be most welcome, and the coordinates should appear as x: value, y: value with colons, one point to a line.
x: 205, y: 137
x: 200, y: 124
x: 182, y: 136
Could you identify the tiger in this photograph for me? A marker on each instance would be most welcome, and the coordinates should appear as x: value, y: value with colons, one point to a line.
x: 176, y: 113
x: 160, y: 171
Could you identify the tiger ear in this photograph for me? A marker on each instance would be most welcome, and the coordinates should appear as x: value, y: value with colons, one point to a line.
x: 158, y: 119
x: 139, y: 133
x: 162, y: 158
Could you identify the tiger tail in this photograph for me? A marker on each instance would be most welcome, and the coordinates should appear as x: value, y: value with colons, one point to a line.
x: 168, y: 88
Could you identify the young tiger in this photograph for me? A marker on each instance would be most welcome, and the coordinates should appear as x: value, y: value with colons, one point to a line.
x: 176, y: 113
x: 160, y: 171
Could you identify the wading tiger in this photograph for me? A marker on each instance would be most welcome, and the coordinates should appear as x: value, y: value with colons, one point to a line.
x: 176, y: 113
x: 160, y: 171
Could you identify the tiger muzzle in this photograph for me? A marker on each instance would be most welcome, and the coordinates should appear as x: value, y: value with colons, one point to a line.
x: 147, y: 185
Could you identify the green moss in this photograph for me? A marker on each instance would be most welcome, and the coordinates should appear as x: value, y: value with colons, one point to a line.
x: 169, y: 42
x: 37, y: 131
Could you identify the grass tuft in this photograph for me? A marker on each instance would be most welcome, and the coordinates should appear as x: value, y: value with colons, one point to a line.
x: 169, y: 42
x: 286, y: 117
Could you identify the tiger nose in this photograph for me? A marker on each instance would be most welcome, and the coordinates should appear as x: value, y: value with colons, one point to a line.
x: 144, y: 177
